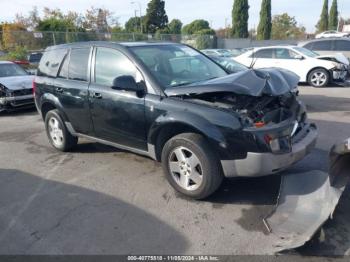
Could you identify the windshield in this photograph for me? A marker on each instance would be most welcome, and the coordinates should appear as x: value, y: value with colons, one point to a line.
x: 306, y: 52
x: 11, y: 70
x: 224, y: 52
x: 231, y: 65
x: 177, y: 65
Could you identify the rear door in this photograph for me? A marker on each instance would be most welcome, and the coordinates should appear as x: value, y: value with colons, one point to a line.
x: 323, y: 47
x: 263, y: 58
x: 118, y: 116
x: 71, y: 88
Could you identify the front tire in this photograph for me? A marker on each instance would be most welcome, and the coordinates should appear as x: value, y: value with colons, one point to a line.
x: 318, y: 77
x: 57, y: 132
x: 191, y: 166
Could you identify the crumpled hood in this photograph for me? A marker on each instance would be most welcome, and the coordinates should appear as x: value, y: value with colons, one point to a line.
x: 253, y: 82
x: 339, y: 57
x: 17, y: 82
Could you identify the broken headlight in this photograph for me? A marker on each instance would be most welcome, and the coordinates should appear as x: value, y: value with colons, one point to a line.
x: 3, y: 94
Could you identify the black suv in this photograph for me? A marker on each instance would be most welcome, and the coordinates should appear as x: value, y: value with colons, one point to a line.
x: 172, y: 103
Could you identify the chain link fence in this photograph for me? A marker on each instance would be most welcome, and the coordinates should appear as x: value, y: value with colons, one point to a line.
x: 40, y: 40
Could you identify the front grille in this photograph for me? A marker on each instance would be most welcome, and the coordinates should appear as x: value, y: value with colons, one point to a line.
x: 22, y: 92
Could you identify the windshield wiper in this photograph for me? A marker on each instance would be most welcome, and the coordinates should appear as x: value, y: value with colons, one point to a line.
x: 183, y: 84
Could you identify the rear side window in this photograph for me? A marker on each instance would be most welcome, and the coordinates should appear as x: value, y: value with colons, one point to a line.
x: 110, y: 64
x: 342, y: 45
x: 50, y: 62
x: 322, y: 46
x: 64, y: 68
x: 265, y: 53
x: 78, y: 64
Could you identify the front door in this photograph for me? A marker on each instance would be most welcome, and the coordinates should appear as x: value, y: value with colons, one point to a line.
x: 118, y: 116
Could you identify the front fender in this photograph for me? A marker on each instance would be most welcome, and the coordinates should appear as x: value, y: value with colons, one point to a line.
x: 193, y: 122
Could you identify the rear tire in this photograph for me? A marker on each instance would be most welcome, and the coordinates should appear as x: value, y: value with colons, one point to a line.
x: 318, y: 77
x: 191, y: 166
x: 57, y: 132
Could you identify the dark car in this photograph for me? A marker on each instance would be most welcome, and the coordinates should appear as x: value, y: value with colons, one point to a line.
x: 171, y: 103
x: 229, y: 64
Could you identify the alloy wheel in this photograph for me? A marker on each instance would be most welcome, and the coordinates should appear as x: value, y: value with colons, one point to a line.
x: 56, y: 132
x: 185, y: 168
x: 318, y: 78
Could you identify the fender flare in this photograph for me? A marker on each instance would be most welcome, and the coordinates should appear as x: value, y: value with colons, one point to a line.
x: 48, y: 98
x: 193, y: 122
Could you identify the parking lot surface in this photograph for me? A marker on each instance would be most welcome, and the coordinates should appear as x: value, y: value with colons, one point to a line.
x: 100, y: 200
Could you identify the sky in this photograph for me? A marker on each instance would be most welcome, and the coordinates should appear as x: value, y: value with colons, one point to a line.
x: 217, y: 12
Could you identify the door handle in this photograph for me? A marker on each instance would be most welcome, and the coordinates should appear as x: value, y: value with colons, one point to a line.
x: 97, y: 95
x: 59, y: 89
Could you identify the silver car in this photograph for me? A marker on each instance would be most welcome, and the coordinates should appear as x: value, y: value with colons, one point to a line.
x: 329, y: 46
x: 15, y: 87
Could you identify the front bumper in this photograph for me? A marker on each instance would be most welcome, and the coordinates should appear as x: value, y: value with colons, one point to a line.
x: 11, y: 102
x: 339, y: 75
x: 262, y: 164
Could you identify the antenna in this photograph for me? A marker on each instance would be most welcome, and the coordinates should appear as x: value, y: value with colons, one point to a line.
x: 253, y: 59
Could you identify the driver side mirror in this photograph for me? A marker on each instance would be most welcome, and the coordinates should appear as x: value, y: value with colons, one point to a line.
x: 299, y: 57
x: 126, y: 82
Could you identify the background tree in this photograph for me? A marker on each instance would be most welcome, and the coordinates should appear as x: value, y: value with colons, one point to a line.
x: 322, y: 24
x: 133, y: 25
x: 240, y: 18
x: 343, y: 22
x: 195, y: 26
x: 175, y: 26
x: 30, y: 21
x: 285, y: 27
x: 156, y: 17
x: 265, y: 25
x: 99, y: 20
x: 333, y: 16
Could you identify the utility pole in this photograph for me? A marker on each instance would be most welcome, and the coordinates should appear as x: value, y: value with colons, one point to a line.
x: 139, y: 4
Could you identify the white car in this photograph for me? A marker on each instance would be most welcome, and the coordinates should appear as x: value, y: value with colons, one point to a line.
x: 330, y: 34
x: 317, y: 70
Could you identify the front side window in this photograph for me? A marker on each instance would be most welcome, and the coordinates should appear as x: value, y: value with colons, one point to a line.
x: 78, y: 65
x: 110, y: 64
x: 306, y: 52
x: 177, y: 65
x: 284, y: 53
x: 264, y: 53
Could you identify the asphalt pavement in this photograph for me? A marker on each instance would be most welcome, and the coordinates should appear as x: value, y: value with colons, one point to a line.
x: 100, y: 200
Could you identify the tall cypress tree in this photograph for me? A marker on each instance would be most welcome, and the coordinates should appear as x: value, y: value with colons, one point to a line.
x: 265, y: 25
x: 240, y: 18
x: 156, y: 17
x: 333, y: 16
x: 322, y: 25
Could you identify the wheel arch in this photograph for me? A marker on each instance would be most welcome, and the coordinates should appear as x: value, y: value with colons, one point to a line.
x: 167, y: 127
x: 50, y: 102
x: 317, y: 67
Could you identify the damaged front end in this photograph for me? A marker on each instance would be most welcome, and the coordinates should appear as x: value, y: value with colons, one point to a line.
x: 274, y: 122
x: 307, y: 200
x: 12, y: 99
